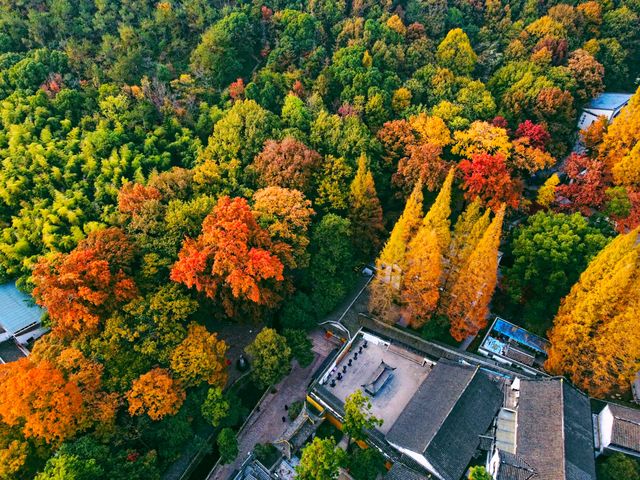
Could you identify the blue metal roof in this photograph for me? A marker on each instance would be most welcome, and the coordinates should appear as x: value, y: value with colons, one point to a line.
x: 609, y: 101
x: 17, y: 310
x: 521, y: 335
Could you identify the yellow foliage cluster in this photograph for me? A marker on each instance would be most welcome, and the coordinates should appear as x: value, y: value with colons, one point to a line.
x: 595, y: 338
x: 620, y: 147
x: 200, y: 358
x: 423, y: 269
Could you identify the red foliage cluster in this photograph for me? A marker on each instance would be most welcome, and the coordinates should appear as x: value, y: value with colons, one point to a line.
x: 589, y: 181
x: 500, y: 122
x: 236, y: 89
x: 537, y: 133
x: 487, y: 177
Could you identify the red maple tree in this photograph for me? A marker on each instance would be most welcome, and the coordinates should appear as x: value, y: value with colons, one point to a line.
x: 536, y: 132
x: 589, y: 180
x: 488, y: 178
x: 231, y: 260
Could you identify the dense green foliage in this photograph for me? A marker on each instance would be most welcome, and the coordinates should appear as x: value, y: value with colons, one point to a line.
x: 549, y: 253
x: 619, y: 467
x: 217, y: 146
x: 227, y: 445
x: 366, y: 464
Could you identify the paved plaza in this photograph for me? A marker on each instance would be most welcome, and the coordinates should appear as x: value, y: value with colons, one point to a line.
x: 266, y: 425
x: 409, y: 371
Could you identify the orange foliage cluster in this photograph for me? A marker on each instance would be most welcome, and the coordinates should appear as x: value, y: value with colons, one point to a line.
x: 155, y: 393
x: 287, y: 163
x: 79, y: 287
x: 133, y: 196
x: 54, y: 394
x: 231, y: 260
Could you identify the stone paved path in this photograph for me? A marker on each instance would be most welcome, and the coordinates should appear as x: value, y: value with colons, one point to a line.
x: 266, y: 425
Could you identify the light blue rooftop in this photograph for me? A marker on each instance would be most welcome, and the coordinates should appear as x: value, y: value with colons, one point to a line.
x: 609, y: 101
x: 17, y: 310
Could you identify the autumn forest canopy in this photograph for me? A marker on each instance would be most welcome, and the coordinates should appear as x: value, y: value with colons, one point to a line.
x: 171, y: 166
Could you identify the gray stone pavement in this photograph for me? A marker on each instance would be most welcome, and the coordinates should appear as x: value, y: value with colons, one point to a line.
x: 266, y: 425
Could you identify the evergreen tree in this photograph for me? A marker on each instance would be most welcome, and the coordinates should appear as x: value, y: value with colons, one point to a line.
x: 595, y: 339
x: 365, y: 211
x: 472, y: 292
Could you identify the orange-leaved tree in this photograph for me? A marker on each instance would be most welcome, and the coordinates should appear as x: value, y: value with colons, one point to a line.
x: 287, y: 163
x: 232, y: 260
x: 385, y: 287
x: 78, y: 289
x: 424, y: 164
x: 200, y: 357
x: 55, y: 393
x: 132, y: 197
x: 424, y: 259
x: 595, y: 338
x: 156, y: 394
x: 421, y: 279
x: 468, y: 231
x: 476, y: 281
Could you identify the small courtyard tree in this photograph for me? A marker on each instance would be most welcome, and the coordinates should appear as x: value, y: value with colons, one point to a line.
x: 358, y: 416
x: 271, y: 356
x: 321, y: 460
x: 619, y: 467
x: 227, y: 445
x: 215, y: 407
x: 479, y: 473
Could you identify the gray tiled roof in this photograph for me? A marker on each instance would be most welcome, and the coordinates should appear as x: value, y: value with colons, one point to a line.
x: 626, y: 427
x: 443, y: 421
x: 609, y: 101
x: 514, y: 467
x: 554, y: 432
x: 399, y: 471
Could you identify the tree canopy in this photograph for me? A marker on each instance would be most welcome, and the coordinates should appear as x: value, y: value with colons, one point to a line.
x: 175, y: 169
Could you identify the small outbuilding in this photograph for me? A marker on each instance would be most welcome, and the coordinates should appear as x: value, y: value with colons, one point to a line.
x: 618, y: 430
x: 604, y: 105
x: 19, y: 323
